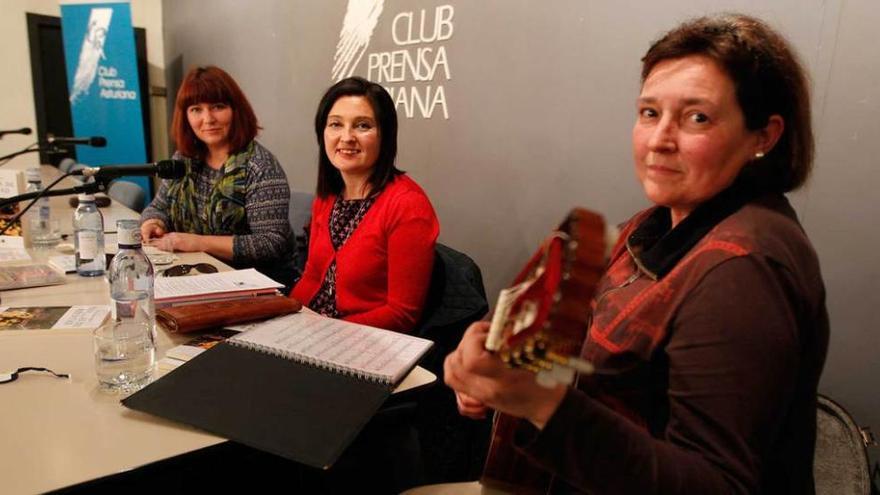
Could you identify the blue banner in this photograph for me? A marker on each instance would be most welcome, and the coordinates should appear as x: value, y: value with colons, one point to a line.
x: 105, y: 96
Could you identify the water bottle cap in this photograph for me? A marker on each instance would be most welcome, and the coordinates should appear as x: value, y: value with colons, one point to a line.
x: 33, y: 175
x: 86, y: 197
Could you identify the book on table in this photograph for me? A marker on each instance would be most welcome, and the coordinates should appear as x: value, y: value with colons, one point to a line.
x: 53, y: 317
x: 221, y: 286
x: 182, y: 353
x: 301, y: 386
x: 32, y: 275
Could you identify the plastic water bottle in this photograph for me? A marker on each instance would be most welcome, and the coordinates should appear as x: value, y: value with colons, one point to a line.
x: 38, y: 219
x: 88, y: 228
x: 131, y: 277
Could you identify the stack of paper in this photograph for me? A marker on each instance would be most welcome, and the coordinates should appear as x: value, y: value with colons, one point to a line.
x: 222, y: 286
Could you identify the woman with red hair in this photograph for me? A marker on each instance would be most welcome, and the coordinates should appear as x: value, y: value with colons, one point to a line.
x: 233, y: 202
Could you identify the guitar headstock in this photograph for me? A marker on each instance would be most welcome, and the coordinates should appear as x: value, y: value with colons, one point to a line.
x: 540, y: 322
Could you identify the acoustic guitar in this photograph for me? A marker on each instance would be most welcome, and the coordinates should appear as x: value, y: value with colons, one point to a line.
x: 539, y: 324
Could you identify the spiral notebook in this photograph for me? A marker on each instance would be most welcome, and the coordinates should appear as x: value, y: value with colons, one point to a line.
x: 301, y: 386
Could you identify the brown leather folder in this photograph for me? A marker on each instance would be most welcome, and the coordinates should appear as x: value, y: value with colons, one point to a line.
x: 201, y: 316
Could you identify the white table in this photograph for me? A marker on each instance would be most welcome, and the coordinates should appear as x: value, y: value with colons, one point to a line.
x: 57, y: 432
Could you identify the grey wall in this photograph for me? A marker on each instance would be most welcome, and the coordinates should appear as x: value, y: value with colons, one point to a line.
x: 541, y: 104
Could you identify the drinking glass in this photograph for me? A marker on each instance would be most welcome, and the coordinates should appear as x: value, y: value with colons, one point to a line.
x: 45, y: 234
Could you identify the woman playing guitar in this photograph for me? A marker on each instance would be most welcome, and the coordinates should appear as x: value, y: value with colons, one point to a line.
x: 709, y: 330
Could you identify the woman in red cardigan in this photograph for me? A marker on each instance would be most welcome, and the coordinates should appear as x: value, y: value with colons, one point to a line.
x: 373, y: 229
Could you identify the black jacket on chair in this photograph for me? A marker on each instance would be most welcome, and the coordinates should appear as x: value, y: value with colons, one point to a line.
x: 455, y: 299
x: 453, y: 448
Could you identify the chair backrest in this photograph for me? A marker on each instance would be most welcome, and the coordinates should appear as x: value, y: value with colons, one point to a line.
x: 300, y: 214
x: 128, y: 193
x: 65, y: 165
x: 840, y: 463
x: 453, y: 447
x: 456, y: 298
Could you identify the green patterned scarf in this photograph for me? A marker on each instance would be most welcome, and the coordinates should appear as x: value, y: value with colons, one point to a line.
x: 224, y: 211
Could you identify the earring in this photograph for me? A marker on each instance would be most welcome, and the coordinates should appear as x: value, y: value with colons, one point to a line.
x: 759, y: 155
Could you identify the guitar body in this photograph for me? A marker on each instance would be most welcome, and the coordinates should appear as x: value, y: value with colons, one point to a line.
x: 542, y: 325
x: 508, y: 470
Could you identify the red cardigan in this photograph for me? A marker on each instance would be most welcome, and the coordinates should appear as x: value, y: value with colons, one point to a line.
x: 384, y: 268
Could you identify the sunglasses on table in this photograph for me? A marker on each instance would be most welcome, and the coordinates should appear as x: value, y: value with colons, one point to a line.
x: 186, y: 269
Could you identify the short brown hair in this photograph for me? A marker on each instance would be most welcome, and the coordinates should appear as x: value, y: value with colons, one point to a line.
x: 769, y: 80
x: 212, y: 85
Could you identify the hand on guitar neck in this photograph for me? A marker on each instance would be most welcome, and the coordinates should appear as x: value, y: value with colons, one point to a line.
x: 481, y: 381
x: 534, y: 329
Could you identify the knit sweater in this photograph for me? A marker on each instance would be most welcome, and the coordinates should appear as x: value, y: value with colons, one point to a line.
x: 266, y: 242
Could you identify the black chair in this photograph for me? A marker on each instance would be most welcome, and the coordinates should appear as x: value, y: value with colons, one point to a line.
x: 456, y: 298
x: 453, y: 447
x: 840, y: 463
x: 66, y: 164
x: 300, y: 214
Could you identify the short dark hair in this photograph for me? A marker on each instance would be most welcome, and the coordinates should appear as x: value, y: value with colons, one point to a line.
x: 769, y: 80
x: 329, y: 178
x: 212, y: 85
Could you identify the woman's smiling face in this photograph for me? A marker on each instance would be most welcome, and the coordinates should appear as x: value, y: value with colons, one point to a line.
x: 351, y: 136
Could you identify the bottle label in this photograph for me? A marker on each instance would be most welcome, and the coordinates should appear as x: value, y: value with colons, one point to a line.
x: 144, y: 284
x: 88, y: 244
x: 129, y: 238
x: 44, y: 209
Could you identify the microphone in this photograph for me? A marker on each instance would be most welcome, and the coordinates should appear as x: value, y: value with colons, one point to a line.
x: 165, y: 169
x: 23, y: 130
x: 96, y: 141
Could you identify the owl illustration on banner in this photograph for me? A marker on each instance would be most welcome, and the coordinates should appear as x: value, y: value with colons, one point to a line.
x: 92, y: 52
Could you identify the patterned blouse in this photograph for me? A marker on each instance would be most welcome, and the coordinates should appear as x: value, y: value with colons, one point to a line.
x: 344, y: 219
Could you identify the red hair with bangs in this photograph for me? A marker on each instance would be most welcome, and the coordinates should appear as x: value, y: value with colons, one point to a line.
x: 212, y: 85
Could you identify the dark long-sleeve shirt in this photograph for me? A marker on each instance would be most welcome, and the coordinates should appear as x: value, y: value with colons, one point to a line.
x: 707, y: 363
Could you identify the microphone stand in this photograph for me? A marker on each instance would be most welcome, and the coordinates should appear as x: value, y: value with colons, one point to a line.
x: 24, y: 131
x: 99, y: 185
x: 86, y: 188
x: 30, y: 149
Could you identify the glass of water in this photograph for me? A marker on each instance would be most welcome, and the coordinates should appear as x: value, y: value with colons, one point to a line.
x: 45, y: 233
x: 125, y: 355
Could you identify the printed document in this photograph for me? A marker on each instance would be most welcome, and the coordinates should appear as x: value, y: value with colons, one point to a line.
x: 231, y: 281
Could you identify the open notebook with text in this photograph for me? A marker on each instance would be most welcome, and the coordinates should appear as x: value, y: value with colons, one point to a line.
x: 300, y: 386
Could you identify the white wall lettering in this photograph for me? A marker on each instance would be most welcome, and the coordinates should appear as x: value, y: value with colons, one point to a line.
x: 409, y: 73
